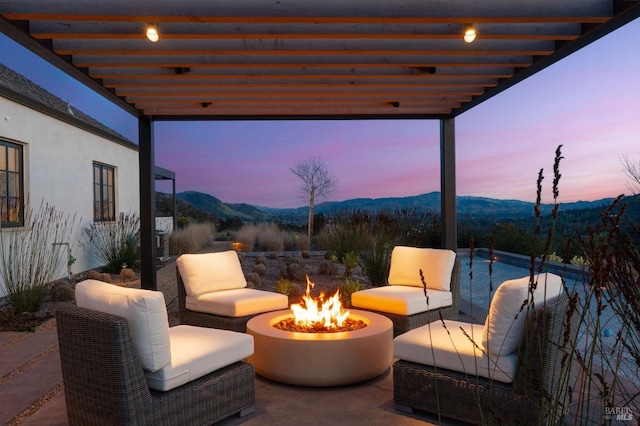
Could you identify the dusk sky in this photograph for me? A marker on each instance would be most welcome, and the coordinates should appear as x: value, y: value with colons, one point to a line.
x: 587, y: 102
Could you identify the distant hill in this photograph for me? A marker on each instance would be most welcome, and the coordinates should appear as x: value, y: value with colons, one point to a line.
x: 467, y: 205
x: 214, y: 207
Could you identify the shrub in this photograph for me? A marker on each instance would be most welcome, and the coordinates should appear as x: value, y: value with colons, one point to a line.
x: 303, y: 243
x: 269, y: 237
x: 350, y: 261
x: 247, y: 236
x: 261, y: 259
x: 62, y: 291
x: 347, y: 289
x: 31, y: 257
x: 578, y: 261
x: 115, y: 243
x: 508, y: 237
x: 291, y: 242
x: 260, y: 268
x: 305, y: 254
x: 376, y: 263
x: 283, y: 286
x: 326, y: 267
x: 373, y: 236
x: 100, y: 276
x: 253, y: 280
x: 127, y: 274
x: 294, y: 270
x: 273, y: 256
x: 343, y: 236
x: 224, y: 236
x: 191, y: 239
x: 553, y: 257
x: 295, y: 295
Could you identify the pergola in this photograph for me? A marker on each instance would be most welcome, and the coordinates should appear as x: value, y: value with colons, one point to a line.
x: 292, y: 59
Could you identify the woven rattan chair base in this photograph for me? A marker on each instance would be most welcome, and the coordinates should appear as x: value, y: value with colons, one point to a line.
x: 536, y: 395
x: 458, y: 396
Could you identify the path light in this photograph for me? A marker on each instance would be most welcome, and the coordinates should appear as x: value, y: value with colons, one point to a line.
x: 469, y: 33
x: 152, y: 32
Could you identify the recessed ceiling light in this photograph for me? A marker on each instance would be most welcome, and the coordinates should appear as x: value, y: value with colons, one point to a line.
x: 470, y: 34
x: 152, y: 33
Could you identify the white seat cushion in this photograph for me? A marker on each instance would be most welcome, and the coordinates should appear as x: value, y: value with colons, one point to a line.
x: 507, y: 314
x: 436, y: 265
x: 400, y: 300
x: 237, y: 303
x: 432, y: 345
x: 144, y: 310
x: 196, y: 351
x: 208, y: 272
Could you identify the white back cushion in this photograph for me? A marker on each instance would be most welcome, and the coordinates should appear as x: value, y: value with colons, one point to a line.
x: 144, y: 310
x: 436, y: 265
x: 505, y: 320
x: 210, y: 272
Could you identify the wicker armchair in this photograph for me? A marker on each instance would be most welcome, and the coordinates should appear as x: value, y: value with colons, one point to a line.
x: 403, y: 323
x: 536, y: 395
x: 250, y: 302
x: 104, y: 382
x: 203, y: 319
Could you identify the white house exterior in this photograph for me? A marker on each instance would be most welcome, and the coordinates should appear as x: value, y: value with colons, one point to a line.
x: 62, y: 152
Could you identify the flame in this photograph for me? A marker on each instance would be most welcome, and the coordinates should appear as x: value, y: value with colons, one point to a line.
x: 311, y: 311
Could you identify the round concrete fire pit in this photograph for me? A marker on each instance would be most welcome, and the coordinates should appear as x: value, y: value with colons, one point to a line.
x: 321, y: 359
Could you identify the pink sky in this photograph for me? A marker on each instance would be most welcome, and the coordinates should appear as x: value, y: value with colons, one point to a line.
x: 587, y: 102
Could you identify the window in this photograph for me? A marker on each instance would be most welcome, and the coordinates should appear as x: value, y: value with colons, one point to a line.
x: 11, y: 184
x: 104, y: 193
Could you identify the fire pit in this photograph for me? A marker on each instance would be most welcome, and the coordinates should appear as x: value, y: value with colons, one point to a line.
x: 321, y: 358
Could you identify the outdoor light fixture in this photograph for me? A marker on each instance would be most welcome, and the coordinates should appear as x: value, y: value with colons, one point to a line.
x: 395, y: 104
x: 205, y: 104
x: 152, y: 33
x: 469, y: 33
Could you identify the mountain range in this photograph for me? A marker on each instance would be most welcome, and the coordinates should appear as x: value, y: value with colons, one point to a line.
x: 469, y: 206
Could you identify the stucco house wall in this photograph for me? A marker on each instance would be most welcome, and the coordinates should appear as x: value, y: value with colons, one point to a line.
x: 58, y: 158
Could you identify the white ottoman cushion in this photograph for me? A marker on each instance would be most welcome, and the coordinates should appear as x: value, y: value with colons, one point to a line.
x: 144, y: 310
x: 506, y: 318
x: 237, y: 303
x: 432, y: 345
x: 208, y: 272
x: 436, y: 265
x: 400, y: 300
x: 196, y: 351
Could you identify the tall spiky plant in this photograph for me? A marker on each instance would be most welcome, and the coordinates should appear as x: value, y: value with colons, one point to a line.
x: 610, y: 352
x: 115, y: 243
x: 32, y: 257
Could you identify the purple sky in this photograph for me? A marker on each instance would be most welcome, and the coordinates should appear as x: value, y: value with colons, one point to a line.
x: 588, y: 102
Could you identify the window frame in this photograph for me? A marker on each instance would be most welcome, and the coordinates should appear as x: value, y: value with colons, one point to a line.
x: 19, y: 172
x: 104, y: 172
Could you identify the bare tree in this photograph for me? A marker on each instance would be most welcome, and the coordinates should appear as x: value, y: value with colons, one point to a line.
x: 632, y: 170
x: 317, y: 183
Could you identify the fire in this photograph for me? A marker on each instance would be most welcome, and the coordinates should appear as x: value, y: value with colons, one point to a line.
x: 312, y: 311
